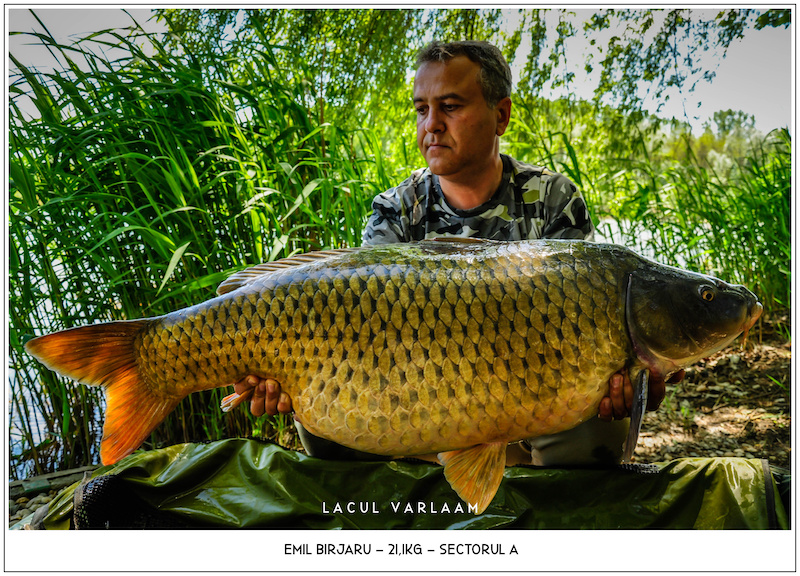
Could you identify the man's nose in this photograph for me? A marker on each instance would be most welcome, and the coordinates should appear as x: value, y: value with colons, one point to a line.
x: 434, y: 122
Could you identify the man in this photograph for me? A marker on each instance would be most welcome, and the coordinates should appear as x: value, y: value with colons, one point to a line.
x: 462, y: 99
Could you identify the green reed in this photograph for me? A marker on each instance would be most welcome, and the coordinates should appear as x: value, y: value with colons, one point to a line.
x: 136, y: 188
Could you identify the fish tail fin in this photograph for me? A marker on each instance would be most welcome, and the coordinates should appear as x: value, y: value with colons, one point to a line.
x: 106, y: 355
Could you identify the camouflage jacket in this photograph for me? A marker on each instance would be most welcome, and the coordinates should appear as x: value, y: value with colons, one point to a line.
x: 532, y: 202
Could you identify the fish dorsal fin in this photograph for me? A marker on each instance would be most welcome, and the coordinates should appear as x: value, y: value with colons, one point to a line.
x: 475, y: 473
x: 249, y: 275
x: 461, y: 240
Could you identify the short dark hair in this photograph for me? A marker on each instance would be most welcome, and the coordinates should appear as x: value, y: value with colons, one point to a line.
x: 495, y: 74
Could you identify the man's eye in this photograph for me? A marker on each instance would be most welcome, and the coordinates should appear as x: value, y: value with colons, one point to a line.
x: 450, y: 107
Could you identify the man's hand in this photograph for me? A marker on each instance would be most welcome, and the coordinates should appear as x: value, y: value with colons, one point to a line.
x: 267, y: 396
x: 617, y: 405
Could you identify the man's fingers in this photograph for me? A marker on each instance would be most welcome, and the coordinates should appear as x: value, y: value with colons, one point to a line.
x: 267, y: 396
x: 619, y: 402
x: 245, y: 384
x: 627, y: 392
x: 275, y: 401
x: 257, y: 403
x: 284, y: 403
x: 613, y: 406
x: 606, y: 411
x: 658, y: 389
x: 271, y: 401
x: 621, y: 396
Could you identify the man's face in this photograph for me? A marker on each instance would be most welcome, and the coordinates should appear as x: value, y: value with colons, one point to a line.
x: 457, y: 132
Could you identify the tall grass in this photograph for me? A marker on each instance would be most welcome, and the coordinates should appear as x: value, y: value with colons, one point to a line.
x: 140, y: 184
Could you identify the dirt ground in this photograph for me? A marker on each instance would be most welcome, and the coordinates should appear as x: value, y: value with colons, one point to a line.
x: 735, y: 403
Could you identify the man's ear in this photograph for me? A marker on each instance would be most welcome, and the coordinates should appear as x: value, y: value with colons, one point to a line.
x: 503, y: 110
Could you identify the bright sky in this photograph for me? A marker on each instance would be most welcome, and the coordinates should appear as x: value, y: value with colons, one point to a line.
x: 756, y: 76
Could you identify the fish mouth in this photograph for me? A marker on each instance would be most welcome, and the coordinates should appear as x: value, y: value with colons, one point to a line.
x: 753, y: 314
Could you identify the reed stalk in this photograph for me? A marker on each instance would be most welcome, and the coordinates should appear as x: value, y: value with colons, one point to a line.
x: 137, y: 186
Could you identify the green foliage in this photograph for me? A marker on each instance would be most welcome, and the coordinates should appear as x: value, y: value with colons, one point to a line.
x: 652, y: 46
x: 736, y: 228
x: 341, y: 52
x: 463, y: 24
x: 348, y: 49
x: 774, y: 18
x: 718, y: 204
x: 142, y: 183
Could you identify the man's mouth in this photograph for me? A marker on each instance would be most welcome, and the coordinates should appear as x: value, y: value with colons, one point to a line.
x: 436, y: 146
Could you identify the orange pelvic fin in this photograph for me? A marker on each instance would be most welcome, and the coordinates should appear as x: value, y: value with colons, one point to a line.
x: 475, y: 473
x: 105, y: 355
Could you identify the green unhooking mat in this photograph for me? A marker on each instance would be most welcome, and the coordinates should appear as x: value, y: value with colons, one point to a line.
x: 248, y: 484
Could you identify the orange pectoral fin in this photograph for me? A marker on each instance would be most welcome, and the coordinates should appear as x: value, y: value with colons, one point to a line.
x: 231, y: 401
x: 475, y: 473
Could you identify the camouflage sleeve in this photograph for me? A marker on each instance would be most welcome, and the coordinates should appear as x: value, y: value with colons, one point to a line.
x: 567, y: 214
x: 390, y: 222
x: 385, y: 224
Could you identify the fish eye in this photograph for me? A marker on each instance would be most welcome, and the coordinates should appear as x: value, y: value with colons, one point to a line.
x: 707, y: 293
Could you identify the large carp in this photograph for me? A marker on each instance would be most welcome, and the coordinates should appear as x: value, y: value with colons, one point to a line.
x: 455, y: 347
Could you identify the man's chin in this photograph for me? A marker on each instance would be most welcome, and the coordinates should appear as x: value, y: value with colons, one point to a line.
x: 438, y: 167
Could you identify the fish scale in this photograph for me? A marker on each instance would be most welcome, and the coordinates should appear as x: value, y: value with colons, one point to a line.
x: 438, y: 346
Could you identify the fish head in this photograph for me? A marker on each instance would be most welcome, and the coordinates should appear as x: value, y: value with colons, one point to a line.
x: 676, y: 317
